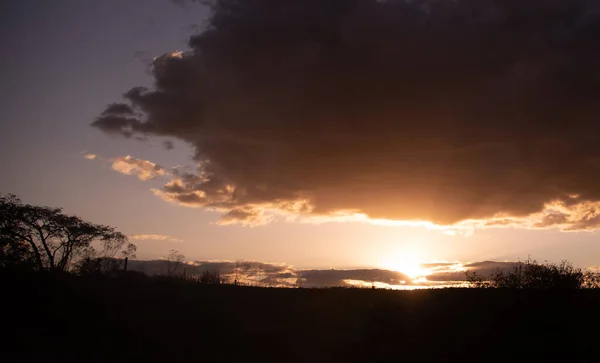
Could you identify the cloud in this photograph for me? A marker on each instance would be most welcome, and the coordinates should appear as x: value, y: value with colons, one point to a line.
x: 483, y: 269
x: 128, y: 165
x: 143, y: 169
x: 248, y: 216
x: 451, y: 274
x: 438, y: 265
x: 154, y: 237
x: 283, y: 275
x: 245, y: 272
x: 594, y: 269
x: 324, y: 278
x: 448, y: 112
x: 118, y: 109
x: 168, y: 145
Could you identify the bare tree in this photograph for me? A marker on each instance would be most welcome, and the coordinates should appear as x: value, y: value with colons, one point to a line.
x: 259, y: 274
x: 239, y: 270
x: 108, y: 259
x: 174, y: 261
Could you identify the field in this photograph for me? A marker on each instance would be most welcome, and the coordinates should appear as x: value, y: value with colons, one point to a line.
x: 66, y: 318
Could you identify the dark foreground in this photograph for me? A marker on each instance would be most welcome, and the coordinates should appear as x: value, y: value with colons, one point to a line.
x: 75, y: 319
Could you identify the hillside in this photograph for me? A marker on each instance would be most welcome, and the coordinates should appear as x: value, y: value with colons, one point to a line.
x: 67, y: 318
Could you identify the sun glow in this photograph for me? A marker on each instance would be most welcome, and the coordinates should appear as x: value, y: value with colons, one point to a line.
x: 408, y: 263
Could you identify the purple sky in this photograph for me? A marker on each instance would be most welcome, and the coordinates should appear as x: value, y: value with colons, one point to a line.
x: 65, y: 60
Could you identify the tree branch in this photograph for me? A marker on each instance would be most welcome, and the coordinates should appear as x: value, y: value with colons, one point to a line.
x: 46, y: 247
x: 36, y: 251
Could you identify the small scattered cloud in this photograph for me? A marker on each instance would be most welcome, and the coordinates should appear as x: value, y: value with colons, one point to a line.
x: 154, y: 237
x: 594, y: 269
x: 128, y: 165
x: 142, y: 169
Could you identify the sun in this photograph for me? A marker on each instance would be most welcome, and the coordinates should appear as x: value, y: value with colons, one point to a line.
x: 408, y: 263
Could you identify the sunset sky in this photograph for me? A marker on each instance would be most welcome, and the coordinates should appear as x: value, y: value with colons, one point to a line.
x: 351, y: 134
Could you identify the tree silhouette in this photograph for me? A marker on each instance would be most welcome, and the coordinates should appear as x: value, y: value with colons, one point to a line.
x: 240, y: 270
x: 47, y: 239
x: 108, y: 259
x: 174, y: 260
x: 532, y: 275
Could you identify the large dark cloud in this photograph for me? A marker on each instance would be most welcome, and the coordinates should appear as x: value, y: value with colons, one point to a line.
x: 407, y: 110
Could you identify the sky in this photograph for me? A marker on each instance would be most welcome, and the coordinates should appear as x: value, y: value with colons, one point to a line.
x: 373, y: 134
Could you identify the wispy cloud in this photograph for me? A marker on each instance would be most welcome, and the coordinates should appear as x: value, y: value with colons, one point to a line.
x: 90, y: 156
x: 155, y: 237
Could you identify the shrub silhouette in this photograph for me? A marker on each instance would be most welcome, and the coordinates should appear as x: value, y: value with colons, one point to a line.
x: 211, y: 278
x: 100, y: 266
x: 532, y: 275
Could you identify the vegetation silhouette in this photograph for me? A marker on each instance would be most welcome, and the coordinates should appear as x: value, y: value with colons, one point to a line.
x: 44, y: 238
x: 211, y: 278
x: 173, y: 262
x: 91, y: 309
x: 532, y: 275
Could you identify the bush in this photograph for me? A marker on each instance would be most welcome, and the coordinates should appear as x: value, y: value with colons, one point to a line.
x: 100, y: 266
x: 210, y: 278
x: 532, y: 275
